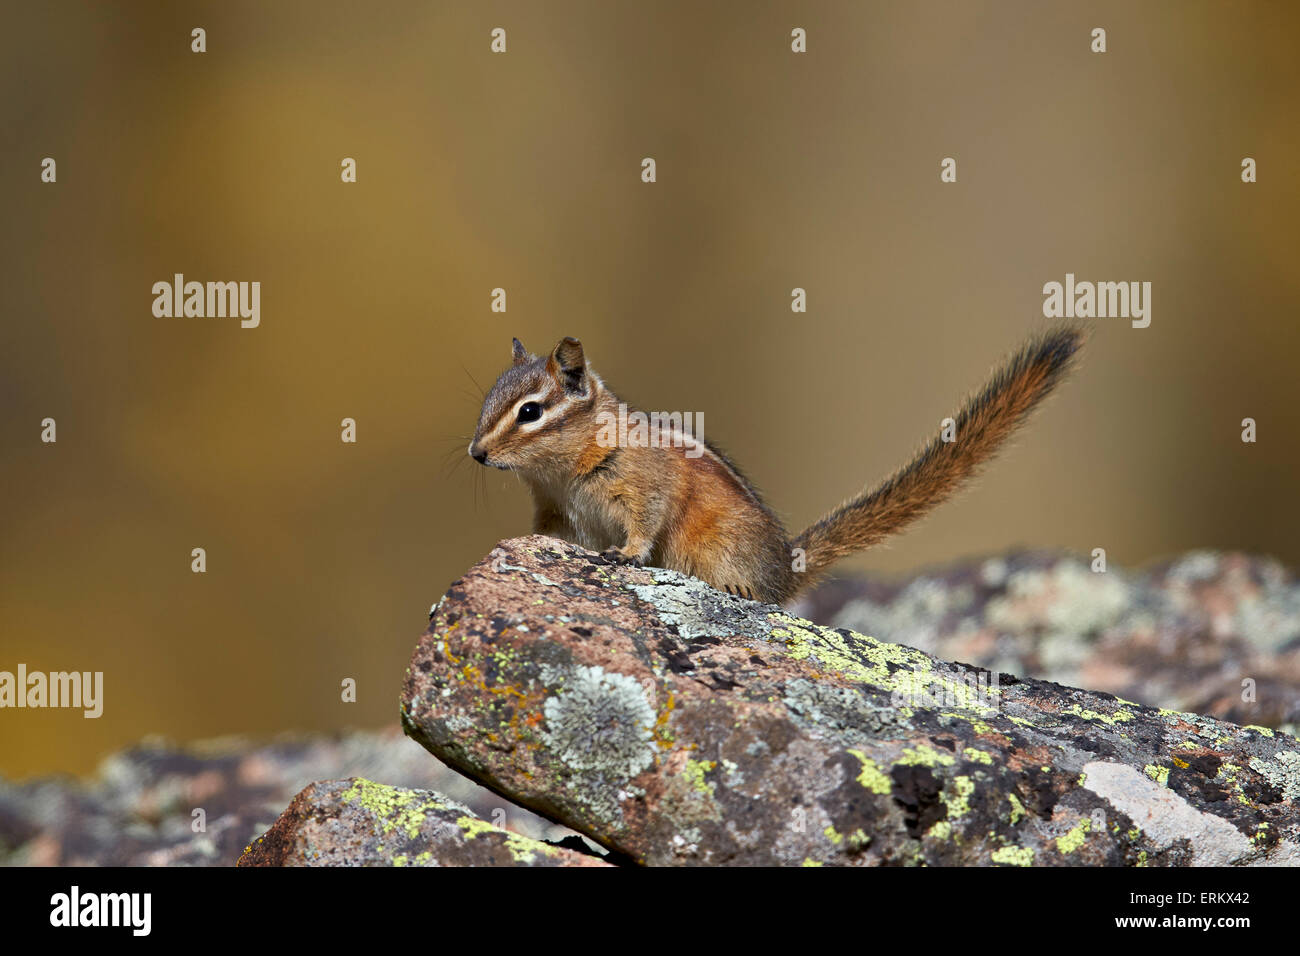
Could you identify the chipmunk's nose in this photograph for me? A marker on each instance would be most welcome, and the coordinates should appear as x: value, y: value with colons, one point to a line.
x: 478, y: 456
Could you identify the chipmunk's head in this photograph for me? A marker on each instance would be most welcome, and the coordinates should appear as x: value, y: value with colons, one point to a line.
x: 536, y: 417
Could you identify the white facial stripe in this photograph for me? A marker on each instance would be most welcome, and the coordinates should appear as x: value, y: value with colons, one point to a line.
x: 524, y: 401
x: 507, y: 420
x: 556, y: 408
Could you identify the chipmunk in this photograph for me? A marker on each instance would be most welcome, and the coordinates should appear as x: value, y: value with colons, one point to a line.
x: 682, y: 504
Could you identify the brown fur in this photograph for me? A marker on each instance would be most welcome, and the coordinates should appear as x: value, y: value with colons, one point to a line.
x: 700, y: 515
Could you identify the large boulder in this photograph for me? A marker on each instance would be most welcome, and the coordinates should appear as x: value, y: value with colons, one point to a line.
x: 680, y: 725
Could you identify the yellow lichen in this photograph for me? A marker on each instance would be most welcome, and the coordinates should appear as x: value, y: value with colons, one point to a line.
x: 521, y: 848
x: 872, y: 777
x: 1071, y: 841
x: 1017, y: 808
x: 393, y: 809
x: 957, y: 796
x: 1013, y: 856
x: 924, y: 756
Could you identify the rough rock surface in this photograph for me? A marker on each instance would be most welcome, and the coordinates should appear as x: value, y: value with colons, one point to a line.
x: 358, y: 822
x: 678, y: 725
x: 1210, y: 633
x: 138, y: 810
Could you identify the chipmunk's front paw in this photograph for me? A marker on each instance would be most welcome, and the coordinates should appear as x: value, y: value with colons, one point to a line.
x: 617, y: 556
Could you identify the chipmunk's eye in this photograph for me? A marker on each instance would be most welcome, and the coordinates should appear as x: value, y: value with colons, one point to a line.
x: 530, y: 412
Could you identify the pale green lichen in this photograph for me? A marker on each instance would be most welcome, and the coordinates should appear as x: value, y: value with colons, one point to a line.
x: 1017, y: 808
x: 979, y: 756
x: 957, y: 796
x: 1159, y: 774
x: 908, y: 674
x: 924, y: 756
x: 1111, y: 719
x: 979, y: 726
x: 1072, y: 840
x: 1013, y: 856
x: 695, y: 772
x: 1228, y: 773
x: 872, y: 777
x: 521, y: 848
x: 393, y: 809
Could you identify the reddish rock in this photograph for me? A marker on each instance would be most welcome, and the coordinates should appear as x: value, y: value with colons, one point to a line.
x: 679, y: 725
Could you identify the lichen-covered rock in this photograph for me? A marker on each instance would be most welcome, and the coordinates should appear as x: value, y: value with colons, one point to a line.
x: 161, y: 804
x: 1210, y: 633
x: 357, y: 822
x: 679, y: 725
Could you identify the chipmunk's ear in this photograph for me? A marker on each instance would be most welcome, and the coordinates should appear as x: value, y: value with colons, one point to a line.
x: 569, y: 366
x: 520, y: 355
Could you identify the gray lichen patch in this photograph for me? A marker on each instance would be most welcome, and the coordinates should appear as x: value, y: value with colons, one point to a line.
x: 1283, y: 772
x: 689, y: 605
x: 601, y: 722
x: 839, y: 710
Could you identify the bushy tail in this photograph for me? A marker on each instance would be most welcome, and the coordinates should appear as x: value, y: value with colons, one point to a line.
x: 984, y: 423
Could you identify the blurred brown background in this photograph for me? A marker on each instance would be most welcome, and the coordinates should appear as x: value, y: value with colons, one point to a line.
x: 522, y: 170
